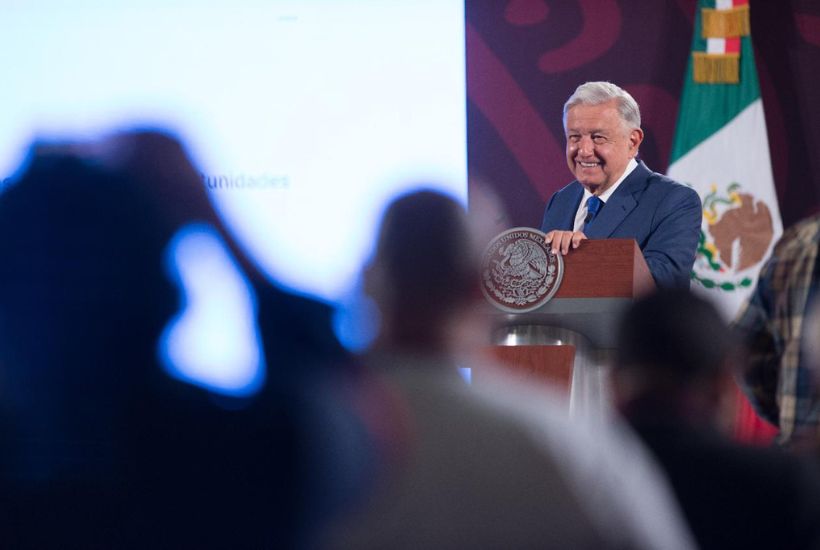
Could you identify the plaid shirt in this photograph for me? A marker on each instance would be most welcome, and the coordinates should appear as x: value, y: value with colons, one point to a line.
x: 776, y: 378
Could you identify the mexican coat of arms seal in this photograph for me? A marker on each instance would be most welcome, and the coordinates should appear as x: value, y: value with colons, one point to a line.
x: 519, y: 272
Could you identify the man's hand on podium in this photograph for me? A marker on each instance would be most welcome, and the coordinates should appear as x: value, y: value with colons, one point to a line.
x: 561, y: 240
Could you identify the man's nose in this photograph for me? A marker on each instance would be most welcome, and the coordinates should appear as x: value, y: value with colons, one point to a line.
x: 586, y: 145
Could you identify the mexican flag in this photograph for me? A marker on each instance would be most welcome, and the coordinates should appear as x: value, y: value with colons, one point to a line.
x: 722, y: 151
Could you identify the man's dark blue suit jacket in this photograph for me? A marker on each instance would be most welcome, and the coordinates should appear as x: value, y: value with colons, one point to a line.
x: 663, y: 216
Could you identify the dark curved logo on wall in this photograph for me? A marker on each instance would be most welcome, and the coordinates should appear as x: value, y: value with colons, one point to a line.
x: 519, y: 272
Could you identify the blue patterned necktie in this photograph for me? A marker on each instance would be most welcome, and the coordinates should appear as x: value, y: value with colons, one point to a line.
x: 594, y: 205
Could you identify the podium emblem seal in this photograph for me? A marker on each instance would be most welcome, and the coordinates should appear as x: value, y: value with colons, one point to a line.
x: 519, y: 272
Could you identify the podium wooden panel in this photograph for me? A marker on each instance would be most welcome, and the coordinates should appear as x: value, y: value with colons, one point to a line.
x: 605, y: 268
x: 550, y: 364
x: 601, y: 277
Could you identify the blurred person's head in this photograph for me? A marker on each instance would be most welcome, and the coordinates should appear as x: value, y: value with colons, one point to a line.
x: 165, y: 170
x: 676, y: 353
x: 423, y: 275
x: 294, y: 329
x: 83, y: 298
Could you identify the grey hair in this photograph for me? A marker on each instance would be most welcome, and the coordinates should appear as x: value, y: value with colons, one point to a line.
x: 595, y: 93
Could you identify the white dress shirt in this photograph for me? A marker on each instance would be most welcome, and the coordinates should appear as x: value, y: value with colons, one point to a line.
x: 581, y: 213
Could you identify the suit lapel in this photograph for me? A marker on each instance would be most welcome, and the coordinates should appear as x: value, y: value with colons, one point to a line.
x: 619, y: 205
x: 561, y: 210
x: 568, y: 214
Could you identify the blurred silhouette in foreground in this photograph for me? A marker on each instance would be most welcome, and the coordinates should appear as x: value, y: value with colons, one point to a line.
x: 101, y: 446
x: 776, y: 377
x: 492, y: 466
x: 811, y: 348
x: 674, y: 368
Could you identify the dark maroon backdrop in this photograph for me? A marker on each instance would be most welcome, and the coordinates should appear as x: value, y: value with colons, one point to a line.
x: 525, y: 57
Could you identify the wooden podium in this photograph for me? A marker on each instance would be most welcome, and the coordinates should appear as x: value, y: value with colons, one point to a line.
x: 601, y: 277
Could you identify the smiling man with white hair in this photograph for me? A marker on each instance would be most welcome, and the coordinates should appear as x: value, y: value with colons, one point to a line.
x: 614, y: 195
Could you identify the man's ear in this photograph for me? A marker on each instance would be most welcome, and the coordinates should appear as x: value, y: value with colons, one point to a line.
x: 635, y: 139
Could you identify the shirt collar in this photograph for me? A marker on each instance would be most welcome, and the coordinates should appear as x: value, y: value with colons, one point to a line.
x: 630, y: 166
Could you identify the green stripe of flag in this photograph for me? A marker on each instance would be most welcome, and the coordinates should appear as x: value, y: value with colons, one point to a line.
x: 705, y: 108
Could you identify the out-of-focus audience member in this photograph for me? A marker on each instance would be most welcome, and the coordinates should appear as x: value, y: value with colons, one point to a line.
x: 674, y: 366
x: 101, y: 448
x: 811, y: 348
x: 497, y: 466
x: 775, y: 376
x: 296, y: 329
